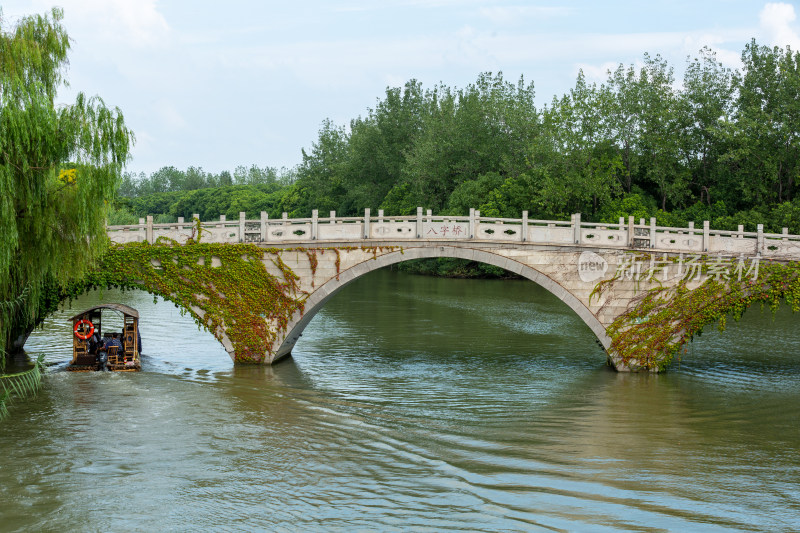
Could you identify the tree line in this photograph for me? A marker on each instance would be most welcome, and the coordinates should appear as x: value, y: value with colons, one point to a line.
x: 722, y: 145
x: 171, y: 179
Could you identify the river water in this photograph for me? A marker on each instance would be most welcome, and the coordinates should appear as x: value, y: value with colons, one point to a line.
x: 411, y: 403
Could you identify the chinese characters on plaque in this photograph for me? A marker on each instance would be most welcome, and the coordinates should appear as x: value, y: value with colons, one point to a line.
x: 445, y: 229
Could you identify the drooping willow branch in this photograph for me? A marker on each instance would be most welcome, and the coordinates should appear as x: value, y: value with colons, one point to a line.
x: 21, y: 385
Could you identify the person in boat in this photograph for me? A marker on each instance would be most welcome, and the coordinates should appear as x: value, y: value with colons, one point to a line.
x: 95, y: 343
x: 114, y: 341
x: 98, y: 347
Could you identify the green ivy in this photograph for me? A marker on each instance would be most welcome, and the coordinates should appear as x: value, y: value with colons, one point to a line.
x: 240, y: 296
x: 648, y: 336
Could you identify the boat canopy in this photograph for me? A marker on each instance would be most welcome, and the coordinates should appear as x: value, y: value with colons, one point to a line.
x: 124, y: 309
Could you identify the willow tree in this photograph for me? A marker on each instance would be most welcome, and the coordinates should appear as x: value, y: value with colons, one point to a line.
x: 59, y: 167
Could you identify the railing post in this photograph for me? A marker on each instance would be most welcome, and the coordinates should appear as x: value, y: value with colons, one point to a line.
x: 264, y: 225
x: 740, y: 229
x: 706, y: 235
x: 195, y: 220
x: 333, y: 217
x: 576, y: 228
x: 242, y: 216
x: 380, y: 216
x: 429, y: 216
x: 760, y: 239
x: 149, y: 230
x: 631, y: 231
x: 314, y: 224
x: 652, y: 232
x: 471, y: 222
x: 524, y: 226
x: 621, y: 222
x: 366, y: 223
x: 785, y: 233
x: 419, y: 223
x: 477, y: 222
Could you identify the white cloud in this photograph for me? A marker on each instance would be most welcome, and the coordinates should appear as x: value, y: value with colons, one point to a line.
x: 776, y: 21
x: 519, y: 14
x: 732, y: 60
x: 168, y: 115
x: 596, y: 73
x: 136, y: 23
x: 370, y: 5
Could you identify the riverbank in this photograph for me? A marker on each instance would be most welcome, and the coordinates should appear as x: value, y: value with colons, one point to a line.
x: 445, y: 267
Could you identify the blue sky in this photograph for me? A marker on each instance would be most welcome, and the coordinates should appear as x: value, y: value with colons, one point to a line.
x: 220, y: 84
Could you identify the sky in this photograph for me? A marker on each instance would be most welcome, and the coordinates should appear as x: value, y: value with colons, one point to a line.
x: 221, y: 84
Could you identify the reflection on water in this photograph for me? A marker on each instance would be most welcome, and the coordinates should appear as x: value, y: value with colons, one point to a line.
x: 411, y: 403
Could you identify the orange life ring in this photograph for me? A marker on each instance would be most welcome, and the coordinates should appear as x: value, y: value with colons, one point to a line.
x: 81, y: 332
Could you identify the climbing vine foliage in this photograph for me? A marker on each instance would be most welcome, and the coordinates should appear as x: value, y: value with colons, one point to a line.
x: 227, y: 288
x: 222, y: 286
x: 663, y: 319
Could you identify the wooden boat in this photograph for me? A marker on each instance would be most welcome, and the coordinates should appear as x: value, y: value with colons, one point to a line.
x: 87, y: 328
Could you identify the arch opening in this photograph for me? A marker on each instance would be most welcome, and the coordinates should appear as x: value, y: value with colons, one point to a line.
x: 322, y: 294
x: 170, y: 334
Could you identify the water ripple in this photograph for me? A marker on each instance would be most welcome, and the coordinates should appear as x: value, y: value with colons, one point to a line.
x: 410, y: 404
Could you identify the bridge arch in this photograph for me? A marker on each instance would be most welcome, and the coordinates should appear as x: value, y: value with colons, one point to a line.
x: 323, y: 293
x: 79, y: 288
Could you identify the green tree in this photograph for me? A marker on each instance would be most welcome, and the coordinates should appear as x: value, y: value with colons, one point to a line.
x: 764, y: 138
x: 705, y: 102
x: 225, y: 178
x: 621, y: 111
x: 486, y: 127
x: 59, y: 166
x: 377, y: 146
x: 254, y: 175
x: 659, y: 139
x: 578, y: 166
x: 322, y: 170
x: 194, y: 178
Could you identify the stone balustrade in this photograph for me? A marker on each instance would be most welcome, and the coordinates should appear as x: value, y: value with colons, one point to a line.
x: 474, y: 227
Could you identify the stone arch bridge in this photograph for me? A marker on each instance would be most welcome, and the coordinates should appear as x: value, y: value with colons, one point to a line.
x: 568, y: 258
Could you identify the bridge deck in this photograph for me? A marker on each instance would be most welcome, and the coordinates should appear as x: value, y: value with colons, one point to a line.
x: 381, y: 230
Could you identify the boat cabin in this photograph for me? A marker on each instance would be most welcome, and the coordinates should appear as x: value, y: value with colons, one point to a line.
x: 96, y: 349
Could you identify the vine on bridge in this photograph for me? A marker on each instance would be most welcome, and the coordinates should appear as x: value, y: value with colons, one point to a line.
x: 648, y: 336
x: 229, y: 283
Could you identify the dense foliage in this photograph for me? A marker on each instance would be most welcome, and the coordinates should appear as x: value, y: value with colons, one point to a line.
x: 722, y: 146
x: 59, y: 165
x: 171, y: 179
x: 238, y: 294
x: 648, y: 336
x: 222, y: 286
